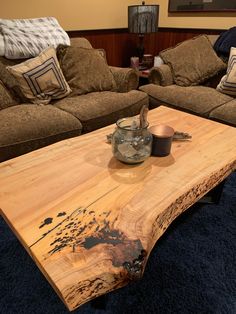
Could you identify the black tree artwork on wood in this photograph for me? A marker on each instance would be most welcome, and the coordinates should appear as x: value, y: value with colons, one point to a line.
x: 201, y: 5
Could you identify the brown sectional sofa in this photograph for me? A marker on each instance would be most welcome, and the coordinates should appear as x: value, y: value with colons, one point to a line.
x: 25, y: 126
x: 202, y: 99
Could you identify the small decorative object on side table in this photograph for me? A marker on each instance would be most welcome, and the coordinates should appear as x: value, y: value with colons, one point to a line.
x: 142, y: 68
x: 143, y: 76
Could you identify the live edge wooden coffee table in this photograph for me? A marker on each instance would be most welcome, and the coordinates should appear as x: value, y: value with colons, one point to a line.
x: 90, y: 222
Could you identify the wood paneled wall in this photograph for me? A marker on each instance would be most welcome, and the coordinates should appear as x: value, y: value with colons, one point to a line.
x: 120, y: 45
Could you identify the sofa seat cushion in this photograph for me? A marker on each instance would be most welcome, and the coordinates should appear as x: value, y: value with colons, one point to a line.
x: 225, y: 113
x: 27, y: 127
x: 197, y: 99
x: 98, y: 109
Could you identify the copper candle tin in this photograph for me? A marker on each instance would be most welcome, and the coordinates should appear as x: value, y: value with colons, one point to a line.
x: 162, y: 139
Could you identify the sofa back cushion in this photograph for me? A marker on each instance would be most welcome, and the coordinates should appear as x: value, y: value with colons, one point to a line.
x: 9, y: 81
x: 41, y: 79
x: 80, y: 42
x: 6, y: 99
x: 85, y: 70
x: 193, y: 61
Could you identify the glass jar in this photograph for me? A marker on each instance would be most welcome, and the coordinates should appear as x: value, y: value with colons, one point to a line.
x: 131, y: 143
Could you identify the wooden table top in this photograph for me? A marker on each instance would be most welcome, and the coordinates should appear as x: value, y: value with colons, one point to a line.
x: 90, y: 221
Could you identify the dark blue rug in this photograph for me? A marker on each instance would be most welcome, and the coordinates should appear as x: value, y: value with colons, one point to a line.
x: 192, y: 269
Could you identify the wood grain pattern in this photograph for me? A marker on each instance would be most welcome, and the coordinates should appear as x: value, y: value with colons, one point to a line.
x: 90, y: 221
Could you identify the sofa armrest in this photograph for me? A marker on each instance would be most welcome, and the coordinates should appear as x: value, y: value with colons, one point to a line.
x: 126, y: 78
x: 161, y: 75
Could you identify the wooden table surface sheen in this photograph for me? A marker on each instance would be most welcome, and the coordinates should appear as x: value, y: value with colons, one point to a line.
x: 89, y: 221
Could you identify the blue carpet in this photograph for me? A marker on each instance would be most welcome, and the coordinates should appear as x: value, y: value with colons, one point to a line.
x: 192, y: 269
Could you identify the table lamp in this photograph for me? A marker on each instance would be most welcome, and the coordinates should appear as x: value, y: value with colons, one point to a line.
x: 142, y: 19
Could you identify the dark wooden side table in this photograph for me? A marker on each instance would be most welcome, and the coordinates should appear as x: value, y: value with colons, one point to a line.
x: 143, y: 76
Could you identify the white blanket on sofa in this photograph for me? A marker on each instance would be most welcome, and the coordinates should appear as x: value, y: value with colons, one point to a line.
x: 25, y: 38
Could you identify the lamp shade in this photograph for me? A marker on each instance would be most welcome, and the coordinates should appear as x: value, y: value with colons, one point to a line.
x: 143, y: 19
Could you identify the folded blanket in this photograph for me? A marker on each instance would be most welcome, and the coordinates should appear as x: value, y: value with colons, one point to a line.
x: 2, y: 45
x: 25, y: 38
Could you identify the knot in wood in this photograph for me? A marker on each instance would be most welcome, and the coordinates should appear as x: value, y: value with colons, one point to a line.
x: 135, y: 268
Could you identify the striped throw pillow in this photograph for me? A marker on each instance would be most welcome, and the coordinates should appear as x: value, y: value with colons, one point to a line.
x: 227, y: 84
x: 41, y: 79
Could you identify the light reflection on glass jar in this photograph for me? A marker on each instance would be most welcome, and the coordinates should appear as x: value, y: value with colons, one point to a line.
x: 131, y: 143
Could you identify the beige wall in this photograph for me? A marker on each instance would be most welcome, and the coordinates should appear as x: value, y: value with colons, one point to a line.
x: 106, y: 14
x: 72, y: 14
x: 210, y: 20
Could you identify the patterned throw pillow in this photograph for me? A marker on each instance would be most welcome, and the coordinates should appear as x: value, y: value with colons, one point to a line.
x: 227, y: 84
x: 41, y: 79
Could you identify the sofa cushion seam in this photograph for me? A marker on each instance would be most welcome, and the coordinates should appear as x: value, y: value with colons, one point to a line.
x: 104, y: 116
x: 39, y: 138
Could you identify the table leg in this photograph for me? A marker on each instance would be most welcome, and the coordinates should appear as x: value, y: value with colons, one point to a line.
x: 100, y: 302
x: 213, y: 196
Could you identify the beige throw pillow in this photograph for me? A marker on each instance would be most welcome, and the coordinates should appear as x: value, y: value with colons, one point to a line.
x: 41, y: 79
x: 85, y: 70
x: 227, y: 84
x: 192, y: 61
